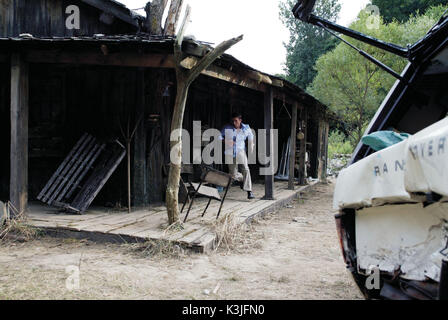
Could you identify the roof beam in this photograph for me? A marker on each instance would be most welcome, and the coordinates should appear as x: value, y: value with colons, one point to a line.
x: 130, y: 59
x: 228, y: 76
x: 190, y: 62
x: 94, y: 58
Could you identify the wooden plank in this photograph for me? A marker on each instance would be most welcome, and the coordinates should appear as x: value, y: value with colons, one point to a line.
x: 206, y: 242
x: 73, y: 172
x: 240, y: 80
x: 61, y: 167
x: 292, y: 154
x: 190, y: 62
x: 250, y: 210
x: 72, y: 185
x: 113, y: 221
x: 65, y: 218
x: 140, y: 177
x: 302, y: 154
x: 134, y: 228
x: 192, y: 236
x: 19, y: 133
x: 93, y: 186
x: 60, y: 177
x: 124, y: 59
x: 269, y: 125
x: 82, y: 224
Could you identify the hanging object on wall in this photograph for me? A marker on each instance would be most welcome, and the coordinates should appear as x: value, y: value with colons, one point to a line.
x: 82, y: 174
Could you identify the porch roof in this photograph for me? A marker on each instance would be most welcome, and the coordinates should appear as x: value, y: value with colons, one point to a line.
x: 144, y: 50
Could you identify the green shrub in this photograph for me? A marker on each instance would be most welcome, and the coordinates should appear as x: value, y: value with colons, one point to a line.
x: 338, y: 144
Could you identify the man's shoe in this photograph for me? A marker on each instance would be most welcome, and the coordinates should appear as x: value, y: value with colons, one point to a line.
x: 242, y: 185
x: 250, y: 195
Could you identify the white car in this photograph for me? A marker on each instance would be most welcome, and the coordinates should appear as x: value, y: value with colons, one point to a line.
x: 393, y: 203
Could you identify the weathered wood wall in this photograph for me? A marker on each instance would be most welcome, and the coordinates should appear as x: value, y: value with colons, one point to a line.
x: 48, y: 18
x: 160, y: 102
x: 66, y: 101
x: 4, y: 130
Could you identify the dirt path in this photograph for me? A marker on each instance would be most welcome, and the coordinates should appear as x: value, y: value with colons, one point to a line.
x: 293, y: 254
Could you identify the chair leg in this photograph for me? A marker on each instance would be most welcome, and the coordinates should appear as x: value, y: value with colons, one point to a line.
x: 191, y: 202
x: 223, y: 198
x: 209, y: 200
x: 185, y: 202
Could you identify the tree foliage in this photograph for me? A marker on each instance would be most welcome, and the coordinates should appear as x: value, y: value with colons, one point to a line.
x: 402, y: 10
x: 352, y: 86
x: 306, y: 43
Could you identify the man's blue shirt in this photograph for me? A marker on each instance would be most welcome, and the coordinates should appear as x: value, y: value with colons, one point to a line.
x: 239, y: 138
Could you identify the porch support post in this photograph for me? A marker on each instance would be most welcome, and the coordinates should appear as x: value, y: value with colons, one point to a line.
x: 269, y: 125
x: 140, y: 194
x: 323, y: 150
x: 292, y: 153
x: 19, y: 133
x: 302, y: 154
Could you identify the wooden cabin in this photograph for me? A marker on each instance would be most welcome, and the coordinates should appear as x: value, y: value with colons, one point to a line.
x: 58, y: 83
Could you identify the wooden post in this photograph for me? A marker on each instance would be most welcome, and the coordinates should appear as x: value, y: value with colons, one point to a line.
x: 140, y: 196
x: 292, y: 154
x: 268, y: 125
x: 19, y: 133
x: 323, y: 150
x: 302, y: 155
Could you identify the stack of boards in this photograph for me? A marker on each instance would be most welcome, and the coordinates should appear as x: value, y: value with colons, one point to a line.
x: 82, y: 174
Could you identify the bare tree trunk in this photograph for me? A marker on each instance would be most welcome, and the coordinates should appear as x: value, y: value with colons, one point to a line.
x: 172, y: 190
x: 184, y: 79
x: 154, y: 14
x: 173, y: 17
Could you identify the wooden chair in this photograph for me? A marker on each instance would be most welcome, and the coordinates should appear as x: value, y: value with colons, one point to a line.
x: 210, y: 176
x: 185, y: 189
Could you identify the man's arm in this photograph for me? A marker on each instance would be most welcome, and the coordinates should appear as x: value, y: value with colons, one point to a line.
x: 226, y: 135
x: 250, y: 140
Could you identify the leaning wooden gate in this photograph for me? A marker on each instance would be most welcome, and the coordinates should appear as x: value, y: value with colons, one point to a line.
x: 82, y: 174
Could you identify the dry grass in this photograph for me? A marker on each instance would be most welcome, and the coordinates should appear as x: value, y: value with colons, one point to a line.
x: 16, y: 228
x: 234, y: 235
x: 157, y: 249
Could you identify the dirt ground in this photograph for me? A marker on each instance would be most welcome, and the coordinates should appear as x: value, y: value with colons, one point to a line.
x: 292, y: 254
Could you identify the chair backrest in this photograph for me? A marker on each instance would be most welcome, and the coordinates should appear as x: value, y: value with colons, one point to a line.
x: 217, y: 178
x: 187, y: 169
